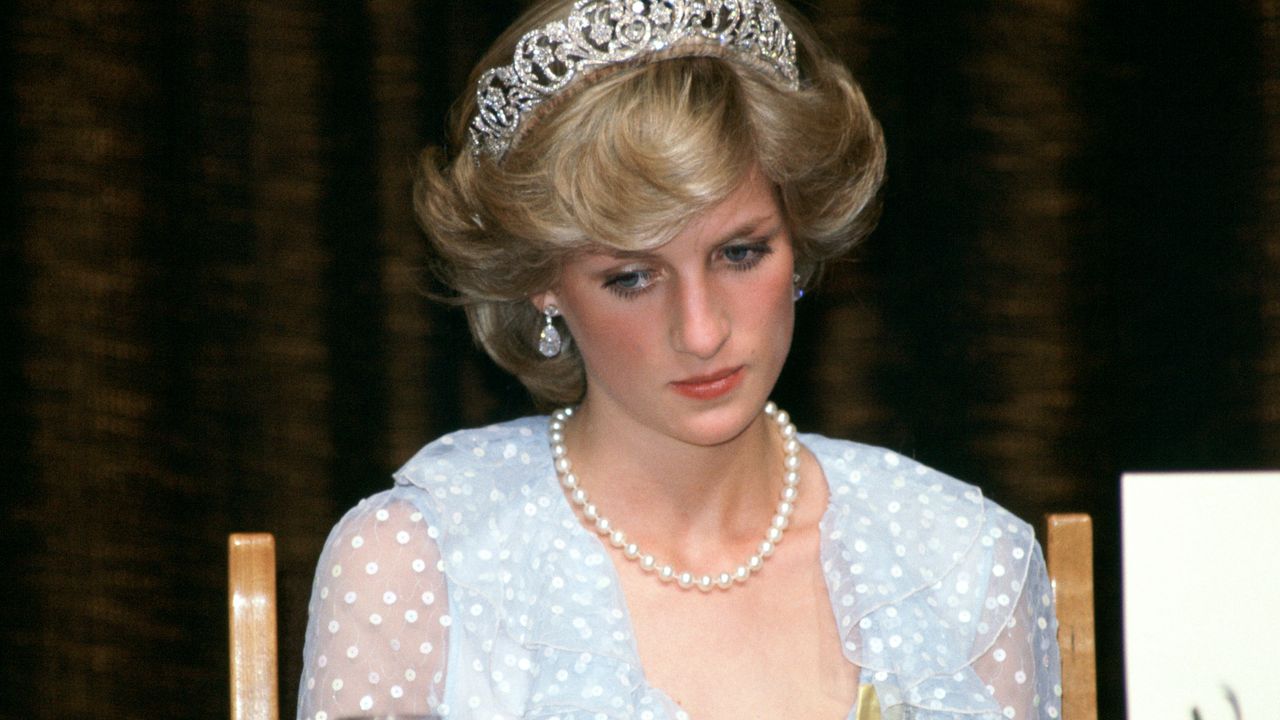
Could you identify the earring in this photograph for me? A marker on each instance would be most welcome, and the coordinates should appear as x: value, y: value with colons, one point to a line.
x: 798, y: 292
x: 549, y: 342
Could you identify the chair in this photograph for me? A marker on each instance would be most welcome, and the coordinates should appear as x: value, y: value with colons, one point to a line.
x: 1069, y: 555
x: 251, y: 609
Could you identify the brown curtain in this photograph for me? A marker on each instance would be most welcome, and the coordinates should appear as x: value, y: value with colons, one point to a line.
x: 211, y: 315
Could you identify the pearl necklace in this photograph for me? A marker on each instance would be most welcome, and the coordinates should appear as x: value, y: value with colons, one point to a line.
x: 665, y: 572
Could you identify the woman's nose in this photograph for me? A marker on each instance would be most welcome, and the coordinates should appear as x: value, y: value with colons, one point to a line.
x: 701, y: 324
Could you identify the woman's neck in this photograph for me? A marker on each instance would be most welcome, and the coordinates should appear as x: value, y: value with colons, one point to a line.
x: 698, y: 500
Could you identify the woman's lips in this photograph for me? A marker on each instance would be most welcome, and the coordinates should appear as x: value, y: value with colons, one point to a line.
x: 709, y: 387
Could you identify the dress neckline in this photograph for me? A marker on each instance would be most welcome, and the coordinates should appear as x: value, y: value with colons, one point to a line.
x: 583, y: 534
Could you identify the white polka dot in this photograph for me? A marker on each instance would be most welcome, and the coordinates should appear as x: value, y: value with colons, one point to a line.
x: 337, y: 570
x: 389, y: 598
x: 425, y: 648
x: 419, y: 565
x: 397, y: 692
x: 428, y: 597
x: 382, y: 515
x: 375, y: 619
x: 357, y: 542
x: 411, y: 616
x: 353, y: 651
x: 402, y: 537
x: 336, y: 684
x: 366, y: 702
x: 999, y: 655
x: 333, y: 626
x: 410, y: 675
x: 371, y: 568
x: 350, y: 597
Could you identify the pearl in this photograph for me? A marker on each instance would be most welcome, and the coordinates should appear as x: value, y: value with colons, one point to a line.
x: 666, y: 573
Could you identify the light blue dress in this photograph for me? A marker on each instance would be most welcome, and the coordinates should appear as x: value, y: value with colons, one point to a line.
x: 471, y: 590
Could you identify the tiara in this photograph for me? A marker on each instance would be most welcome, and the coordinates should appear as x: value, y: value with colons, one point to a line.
x: 598, y: 33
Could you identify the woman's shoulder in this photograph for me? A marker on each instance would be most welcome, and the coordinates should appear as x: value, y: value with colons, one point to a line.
x: 482, y: 475
x: 888, y: 484
x: 501, y: 443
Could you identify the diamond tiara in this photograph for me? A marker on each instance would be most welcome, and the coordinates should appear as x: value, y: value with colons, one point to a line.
x: 599, y: 33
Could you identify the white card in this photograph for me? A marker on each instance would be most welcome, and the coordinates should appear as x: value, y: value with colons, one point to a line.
x: 1201, y: 594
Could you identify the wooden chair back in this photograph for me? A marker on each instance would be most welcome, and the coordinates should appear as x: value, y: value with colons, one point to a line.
x: 1069, y: 555
x: 251, y: 611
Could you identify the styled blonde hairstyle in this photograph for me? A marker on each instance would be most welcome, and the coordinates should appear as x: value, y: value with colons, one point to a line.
x: 625, y: 159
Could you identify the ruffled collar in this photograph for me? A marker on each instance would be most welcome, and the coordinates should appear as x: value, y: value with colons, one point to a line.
x: 898, y: 539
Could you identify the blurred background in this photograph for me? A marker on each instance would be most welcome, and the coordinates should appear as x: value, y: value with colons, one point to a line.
x: 211, y: 315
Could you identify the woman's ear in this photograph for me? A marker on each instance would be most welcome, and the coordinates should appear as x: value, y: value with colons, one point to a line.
x: 543, y: 299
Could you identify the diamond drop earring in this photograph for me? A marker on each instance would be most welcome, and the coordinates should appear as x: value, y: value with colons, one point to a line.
x: 549, y: 342
x: 798, y: 292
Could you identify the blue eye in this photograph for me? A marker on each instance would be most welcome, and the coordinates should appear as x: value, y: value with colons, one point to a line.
x: 746, y: 255
x: 630, y: 283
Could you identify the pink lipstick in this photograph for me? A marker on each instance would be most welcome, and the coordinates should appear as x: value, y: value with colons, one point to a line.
x: 709, y: 387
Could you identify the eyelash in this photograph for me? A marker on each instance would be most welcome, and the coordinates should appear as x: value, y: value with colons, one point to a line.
x: 756, y: 253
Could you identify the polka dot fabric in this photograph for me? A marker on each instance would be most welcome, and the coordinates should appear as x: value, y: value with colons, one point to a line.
x: 470, y: 590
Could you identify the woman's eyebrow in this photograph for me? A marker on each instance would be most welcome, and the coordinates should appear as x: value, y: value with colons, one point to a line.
x: 750, y: 226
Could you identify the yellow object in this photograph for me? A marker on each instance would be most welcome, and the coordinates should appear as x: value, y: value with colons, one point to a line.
x: 868, y: 703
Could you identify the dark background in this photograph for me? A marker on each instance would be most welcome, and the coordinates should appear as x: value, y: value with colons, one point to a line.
x: 210, y: 317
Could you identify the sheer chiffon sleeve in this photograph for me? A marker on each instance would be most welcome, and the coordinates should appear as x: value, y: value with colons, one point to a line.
x: 378, y: 616
x: 1021, y: 667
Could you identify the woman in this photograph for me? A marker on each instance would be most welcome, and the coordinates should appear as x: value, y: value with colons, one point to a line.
x: 645, y: 188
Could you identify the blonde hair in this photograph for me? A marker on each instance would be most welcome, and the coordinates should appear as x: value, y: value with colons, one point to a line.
x: 625, y: 159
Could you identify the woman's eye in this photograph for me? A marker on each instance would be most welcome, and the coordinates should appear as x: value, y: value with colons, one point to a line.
x: 746, y: 255
x: 629, y: 283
